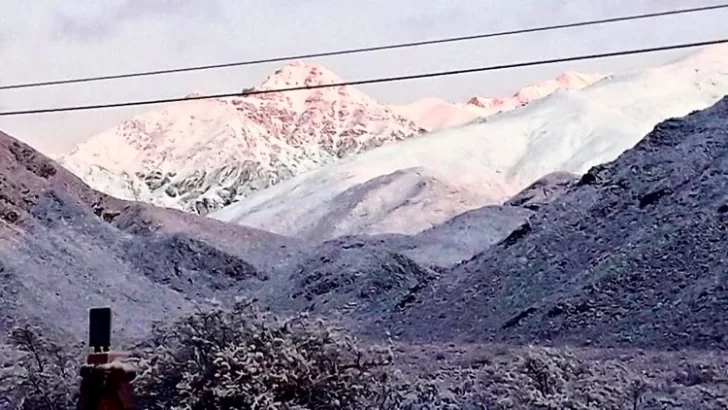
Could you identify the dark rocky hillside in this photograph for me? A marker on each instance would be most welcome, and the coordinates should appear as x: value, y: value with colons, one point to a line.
x: 65, y: 247
x: 355, y: 274
x: 544, y: 190
x: 634, y: 256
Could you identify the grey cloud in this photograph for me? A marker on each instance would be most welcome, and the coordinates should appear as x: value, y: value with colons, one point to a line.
x: 446, y: 12
x: 7, y: 30
x: 104, y: 23
x: 80, y: 29
x: 425, y: 22
x: 132, y: 9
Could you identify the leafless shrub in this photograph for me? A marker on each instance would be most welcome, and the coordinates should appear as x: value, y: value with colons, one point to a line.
x: 636, y: 391
x: 43, y: 377
x: 694, y: 374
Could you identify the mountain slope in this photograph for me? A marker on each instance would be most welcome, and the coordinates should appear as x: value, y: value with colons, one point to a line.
x: 544, y: 190
x: 471, y: 232
x: 349, y: 275
x: 201, y: 155
x: 632, y: 256
x: 488, y: 162
x: 384, y: 204
x: 371, y: 275
x: 65, y: 247
x: 434, y: 114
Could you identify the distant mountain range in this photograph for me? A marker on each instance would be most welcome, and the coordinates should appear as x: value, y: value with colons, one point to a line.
x: 434, y: 114
x: 415, y: 184
x: 200, y: 156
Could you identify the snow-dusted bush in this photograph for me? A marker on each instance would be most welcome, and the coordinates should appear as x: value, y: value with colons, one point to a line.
x: 242, y: 358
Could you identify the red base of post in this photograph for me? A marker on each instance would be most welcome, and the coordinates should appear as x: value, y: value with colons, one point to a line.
x: 105, y: 382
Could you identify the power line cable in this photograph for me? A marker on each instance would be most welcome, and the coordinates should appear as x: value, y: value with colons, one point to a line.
x: 370, y: 81
x: 362, y: 50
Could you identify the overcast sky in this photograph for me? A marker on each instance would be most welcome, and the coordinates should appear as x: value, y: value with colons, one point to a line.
x: 57, y: 39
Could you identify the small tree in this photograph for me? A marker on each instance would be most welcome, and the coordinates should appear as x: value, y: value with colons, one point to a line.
x: 44, y: 376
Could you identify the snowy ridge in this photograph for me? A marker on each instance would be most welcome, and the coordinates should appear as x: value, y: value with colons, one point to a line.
x: 201, y: 155
x: 435, y: 114
x: 569, y: 81
x: 569, y: 130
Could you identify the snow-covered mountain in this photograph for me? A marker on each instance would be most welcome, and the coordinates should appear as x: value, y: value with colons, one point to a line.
x: 202, y: 155
x: 435, y: 114
x: 488, y: 161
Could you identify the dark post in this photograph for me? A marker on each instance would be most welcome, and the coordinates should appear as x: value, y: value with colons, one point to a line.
x: 105, y: 377
x: 99, y: 329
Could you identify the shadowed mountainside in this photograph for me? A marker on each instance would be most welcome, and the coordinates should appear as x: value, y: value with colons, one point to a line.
x: 65, y: 247
x: 634, y: 255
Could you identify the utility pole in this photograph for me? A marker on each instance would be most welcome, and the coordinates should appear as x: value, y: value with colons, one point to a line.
x: 106, y: 376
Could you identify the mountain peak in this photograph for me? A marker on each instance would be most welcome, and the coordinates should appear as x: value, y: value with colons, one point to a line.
x: 200, y: 157
x: 300, y: 74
